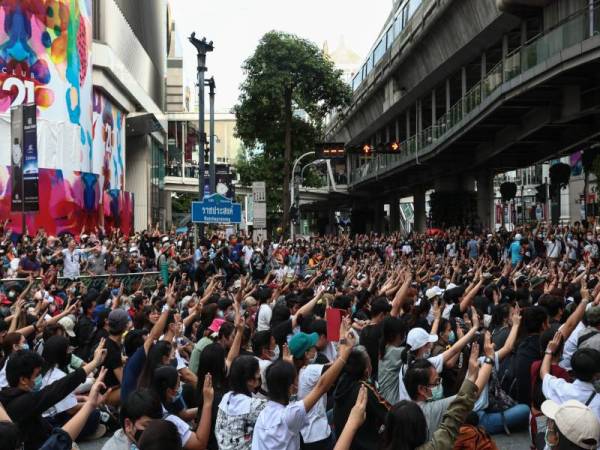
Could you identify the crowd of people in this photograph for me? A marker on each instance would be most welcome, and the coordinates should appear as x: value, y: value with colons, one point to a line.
x: 437, y: 341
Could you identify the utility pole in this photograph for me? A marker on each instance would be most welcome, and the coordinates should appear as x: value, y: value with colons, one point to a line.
x: 211, y: 165
x: 202, y: 48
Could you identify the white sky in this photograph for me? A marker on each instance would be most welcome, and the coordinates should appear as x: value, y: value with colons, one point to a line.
x: 236, y: 26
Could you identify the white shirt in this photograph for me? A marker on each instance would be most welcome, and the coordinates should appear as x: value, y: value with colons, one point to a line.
x: 438, y: 365
x: 262, y: 367
x: 247, y: 252
x: 278, y: 427
x: 66, y: 403
x: 571, y: 346
x: 560, y: 391
x: 183, y: 428
x: 264, y: 317
x: 71, y: 262
x: 3, y: 380
x: 317, y: 428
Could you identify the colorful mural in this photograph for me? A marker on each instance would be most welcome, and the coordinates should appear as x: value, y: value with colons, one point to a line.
x: 45, y: 57
x: 108, y: 143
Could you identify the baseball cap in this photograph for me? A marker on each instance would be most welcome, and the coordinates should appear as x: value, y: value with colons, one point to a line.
x: 433, y: 292
x: 118, y: 320
x: 215, y: 325
x: 68, y: 324
x: 418, y: 337
x: 300, y: 343
x: 576, y: 422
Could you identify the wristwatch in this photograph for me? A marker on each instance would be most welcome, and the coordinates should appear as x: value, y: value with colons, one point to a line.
x: 488, y: 360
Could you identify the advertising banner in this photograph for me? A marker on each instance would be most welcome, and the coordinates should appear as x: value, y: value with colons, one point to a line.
x: 31, y: 192
x: 16, y: 139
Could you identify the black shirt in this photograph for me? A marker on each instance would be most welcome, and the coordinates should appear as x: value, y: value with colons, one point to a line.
x: 113, y: 361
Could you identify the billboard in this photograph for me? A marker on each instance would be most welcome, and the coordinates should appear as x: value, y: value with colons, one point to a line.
x: 79, y: 153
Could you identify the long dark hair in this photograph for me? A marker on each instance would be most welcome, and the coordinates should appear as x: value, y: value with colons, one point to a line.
x: 163, y: 378
x: 392, y: 328
x: 242, y: 370
x: 56, y: 354
x: 499, y: 315
x: 405, y: 427
x: 280, y: 376
x: 154, y: 359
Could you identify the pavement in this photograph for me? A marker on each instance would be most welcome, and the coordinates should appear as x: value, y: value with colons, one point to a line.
x: 516, y: 441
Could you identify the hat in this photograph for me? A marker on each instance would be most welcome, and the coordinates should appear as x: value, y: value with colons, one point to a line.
x: 576, y: 422
x: 165, y: 239
x: 300, y: 343
x: 118, y: 320
x: 518, y: 237
x: 433, y: 292
x: 451, y: 286
x: 418, y: 337
x: 215, y: 325
x: 68, y: 324
x: 536, y: 281
x: 592, y: 316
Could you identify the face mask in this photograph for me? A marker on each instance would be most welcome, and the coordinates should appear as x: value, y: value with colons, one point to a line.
x: 275, y: 355
x: 353, y: 309
x: 220, y: 314
x: 437, y: 393
x: 25, y: 346
x: 37, y: 384
x: 136, y: 436
x: 179, y: 393
x: 452, y: 337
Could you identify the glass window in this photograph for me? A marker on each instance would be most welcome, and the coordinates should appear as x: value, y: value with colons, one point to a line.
x: 389, y: 36
x: 378, y: 52
x: 404, y: 15
x: 397, y: 26
x: 414, y: 4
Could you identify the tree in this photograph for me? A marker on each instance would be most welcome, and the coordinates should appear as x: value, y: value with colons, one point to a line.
x: 286, y: 74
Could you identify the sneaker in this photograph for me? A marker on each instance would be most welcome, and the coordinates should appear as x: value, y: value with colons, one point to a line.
x: 100, y: 431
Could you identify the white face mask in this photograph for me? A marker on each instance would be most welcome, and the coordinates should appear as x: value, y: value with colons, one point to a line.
x: 275, y: 355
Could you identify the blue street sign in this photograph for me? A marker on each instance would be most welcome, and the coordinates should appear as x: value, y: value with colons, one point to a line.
x: 216, y: 209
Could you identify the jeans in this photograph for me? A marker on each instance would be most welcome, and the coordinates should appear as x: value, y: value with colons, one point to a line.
x: 514, y: 418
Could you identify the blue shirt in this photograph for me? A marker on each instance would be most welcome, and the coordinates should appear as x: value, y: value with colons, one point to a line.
x: 515, y: 253
x: 473, y: 248
x: 131, y: 372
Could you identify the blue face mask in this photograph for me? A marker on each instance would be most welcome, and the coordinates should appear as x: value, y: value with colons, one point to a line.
x: 37, y: 384
x: 353, y: 309
x: 452, y: 337
x: 437, y: 393
x: 25, y: 346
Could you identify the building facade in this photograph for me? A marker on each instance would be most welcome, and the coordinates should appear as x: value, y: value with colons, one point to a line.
x: 95, y: 71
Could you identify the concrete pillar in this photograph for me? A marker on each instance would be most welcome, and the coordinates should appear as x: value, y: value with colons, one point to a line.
x: 167, y: 201
x: 378, y: 215
x: 419, y: 208
x: 408, y: 123
x: 485, y: 198
x: 394, y: 214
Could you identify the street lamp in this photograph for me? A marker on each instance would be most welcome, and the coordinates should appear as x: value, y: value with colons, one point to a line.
x: 202, y: 48
x: 292, y: 185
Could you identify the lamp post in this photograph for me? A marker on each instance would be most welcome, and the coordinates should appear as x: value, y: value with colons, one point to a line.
x: 292, y: 185
x: 202, y: 48
x: 211, y: 158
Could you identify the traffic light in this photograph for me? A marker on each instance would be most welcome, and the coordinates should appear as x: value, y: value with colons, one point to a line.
x: 540, y: 195
x: 367, y: 149
x: 394, y: 146
x: 330, y: 150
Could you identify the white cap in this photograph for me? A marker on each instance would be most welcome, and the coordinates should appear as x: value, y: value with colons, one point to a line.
x: 433, y: 292
x: 518, y: 237
x: 576, y: 422
x: 418, y: 337
x: 451, y: 286
x: 68, y: 324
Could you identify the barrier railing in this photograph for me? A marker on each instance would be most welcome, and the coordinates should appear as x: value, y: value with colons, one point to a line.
x: 132, y: 282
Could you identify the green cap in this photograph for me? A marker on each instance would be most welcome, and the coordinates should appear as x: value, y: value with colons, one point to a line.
x: 300, y: 343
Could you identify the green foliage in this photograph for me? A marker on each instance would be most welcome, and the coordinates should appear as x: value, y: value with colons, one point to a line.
x: 182, y: 203
x: 285, y: 73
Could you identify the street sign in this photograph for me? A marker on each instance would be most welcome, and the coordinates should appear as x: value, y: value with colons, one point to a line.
x: 259, y: 193
x: 216, y: 209
x: 260, y: 215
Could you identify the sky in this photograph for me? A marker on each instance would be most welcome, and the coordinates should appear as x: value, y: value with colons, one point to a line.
x: 236, y: 26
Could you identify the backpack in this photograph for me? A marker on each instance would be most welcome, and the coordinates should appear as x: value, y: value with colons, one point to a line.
x: 498, y: 399
x: 473, y: 438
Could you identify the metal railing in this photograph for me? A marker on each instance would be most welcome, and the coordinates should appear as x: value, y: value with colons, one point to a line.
x: 132, y: 282
x: 574, y: 30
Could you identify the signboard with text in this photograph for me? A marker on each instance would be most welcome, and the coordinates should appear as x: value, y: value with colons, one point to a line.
x: 216, y: 209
